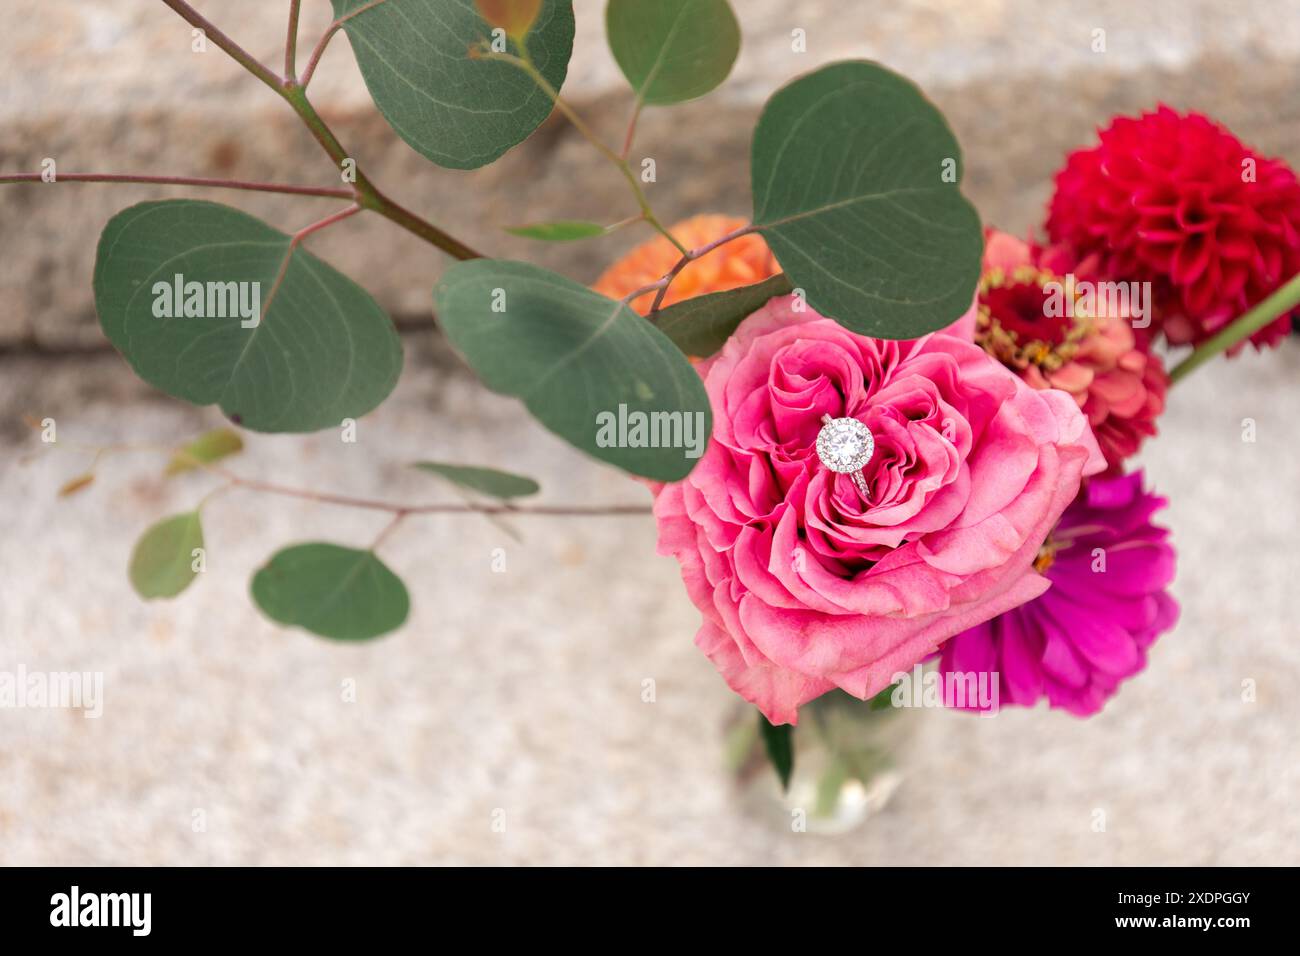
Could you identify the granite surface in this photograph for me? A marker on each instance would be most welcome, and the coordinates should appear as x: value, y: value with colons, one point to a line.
x: 113, y: 86
x: 521, y: 690
x: 516, y: 696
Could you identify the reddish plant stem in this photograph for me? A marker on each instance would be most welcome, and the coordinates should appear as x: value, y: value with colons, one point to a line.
x: 525, y: 63
x: 415, y: 225
x: 291, y: 42
x: 182, y: 181
x: 388, y: 529
x: 310, y: 70
x: 235, y: 51
x: 366, y: 193
x: 668, y: 280
x: 295, y: 241
x: 631, y: 130
x: 328, y: 35
x: 398, y: 510
x: 661, y: 285
x: 235, y: 480
x: 306, y: 231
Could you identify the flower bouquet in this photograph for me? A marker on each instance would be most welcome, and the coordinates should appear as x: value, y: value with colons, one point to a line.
x: 889, y: 445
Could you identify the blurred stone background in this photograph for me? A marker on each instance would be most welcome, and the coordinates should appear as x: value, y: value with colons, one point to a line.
x: 522, y: 690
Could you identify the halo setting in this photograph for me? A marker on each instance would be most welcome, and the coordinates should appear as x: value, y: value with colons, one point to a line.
x: 844, y: 445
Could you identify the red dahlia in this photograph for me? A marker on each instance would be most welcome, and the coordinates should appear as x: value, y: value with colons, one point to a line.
x: 1180, y: 202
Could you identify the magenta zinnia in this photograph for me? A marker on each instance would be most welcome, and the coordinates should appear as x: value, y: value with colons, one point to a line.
x: 1109, y: 567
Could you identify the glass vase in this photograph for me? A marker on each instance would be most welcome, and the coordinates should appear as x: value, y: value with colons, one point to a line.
x: 847, y: 763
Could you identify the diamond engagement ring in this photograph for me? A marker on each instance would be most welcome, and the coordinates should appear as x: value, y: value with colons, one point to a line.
x: 844, y: 445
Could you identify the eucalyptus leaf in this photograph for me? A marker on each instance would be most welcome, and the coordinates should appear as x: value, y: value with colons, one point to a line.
x: 502, y: 485
x: 456, y: 109
x: 341, y: 593
x: 564, y: 230
x: 589, y: 368
x: 207, y: 448
x: 316, y: 352
x: 672, y: 50
x: 163, y: 561
x: 701, y: 325
x: 855, y: 176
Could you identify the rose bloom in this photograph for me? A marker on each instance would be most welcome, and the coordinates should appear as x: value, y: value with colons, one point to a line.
x: 804, y: 585
x: 741, y: 262
x: 1093, y: 355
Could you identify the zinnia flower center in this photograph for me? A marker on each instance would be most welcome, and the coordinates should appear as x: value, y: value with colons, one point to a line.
x: 1016, y: 325
x: 1046, y: 555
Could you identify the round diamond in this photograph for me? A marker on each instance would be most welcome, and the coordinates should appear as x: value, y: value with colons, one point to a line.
x: 845, y: 444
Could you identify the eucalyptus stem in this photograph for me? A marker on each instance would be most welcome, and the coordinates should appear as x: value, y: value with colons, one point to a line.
x: 403, y: 510
x: 1283, y: 300
x: 324, y: 41
x: 236, y: 480
x: 525, y: 63
x: 367, y: 195
x: 288, y: 188
x: 661, y: 285
x: 296, y: 241
x: 631, y: 128
x: 233, y: 49
x: 291, y: 41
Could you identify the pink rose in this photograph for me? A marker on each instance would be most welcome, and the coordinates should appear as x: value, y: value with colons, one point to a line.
x: 803, y: 584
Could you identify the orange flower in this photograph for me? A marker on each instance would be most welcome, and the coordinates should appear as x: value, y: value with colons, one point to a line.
x: 740, y: 262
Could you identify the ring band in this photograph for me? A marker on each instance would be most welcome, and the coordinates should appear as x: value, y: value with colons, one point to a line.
x: 844, y: 445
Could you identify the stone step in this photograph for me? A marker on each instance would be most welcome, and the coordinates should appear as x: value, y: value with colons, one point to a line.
x: 114, y: 87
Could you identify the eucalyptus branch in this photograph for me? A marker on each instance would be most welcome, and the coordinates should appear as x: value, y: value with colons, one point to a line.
x: 661, y: 285
x: 236, y: 480
x: 367, y: 195
x: 1283, y: 300
x: 296, y: 241
x: 622, y: 223
x: 631, y: 128
x: 235, y: 51
x: 663, y: 289
x: 291, y: 42
x: 287, y: 188
x: 324, y: 41
x: 404, y: 510
x: 525, y: 63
